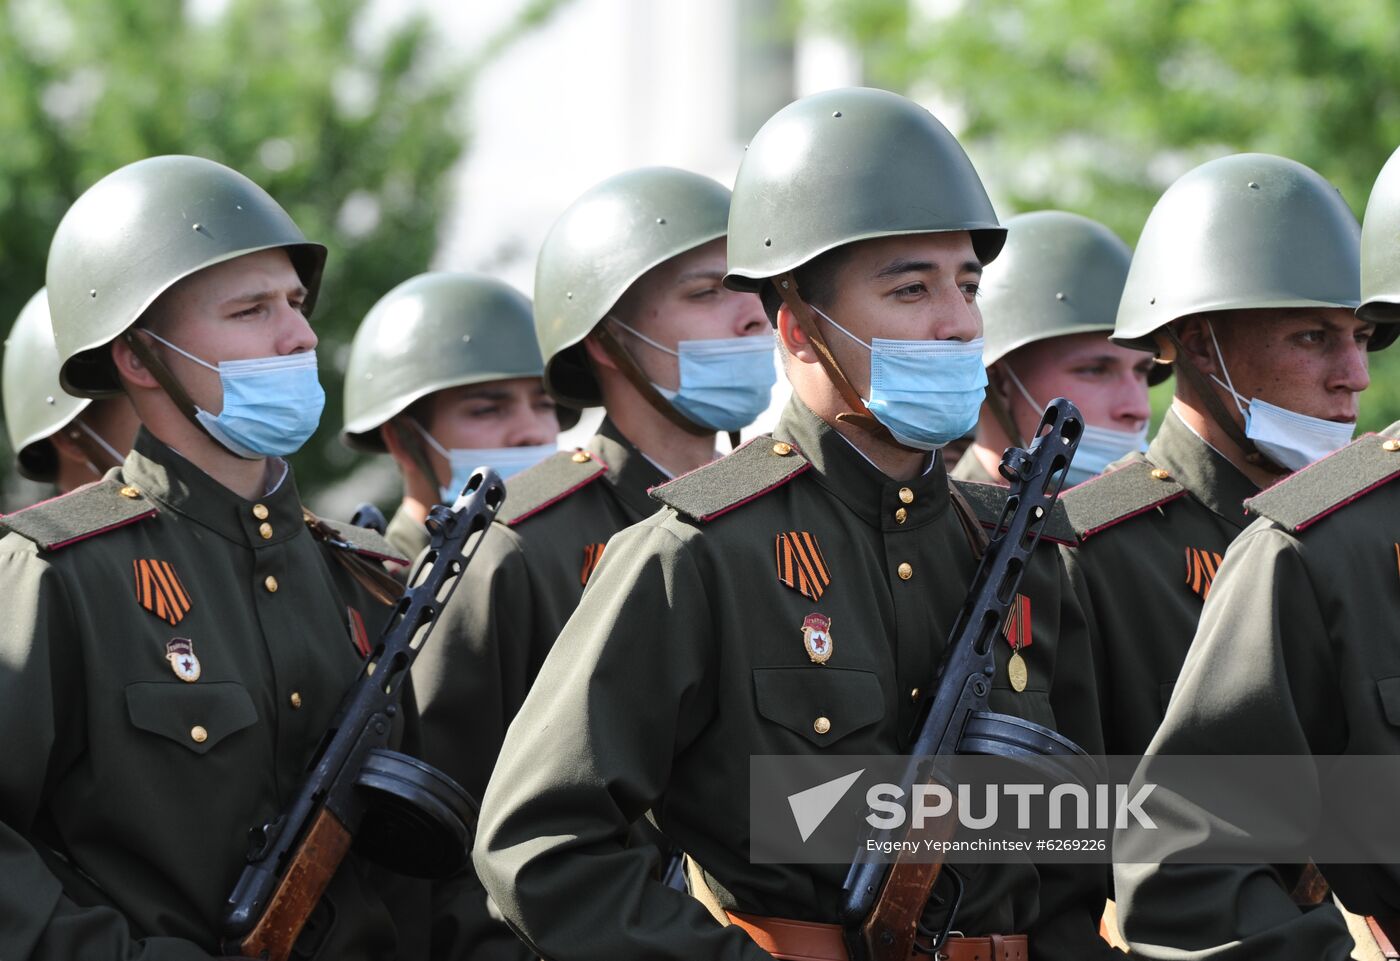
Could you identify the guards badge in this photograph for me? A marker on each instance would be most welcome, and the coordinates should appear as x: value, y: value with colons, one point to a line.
x: 179, y: 651
x: 816, y: 637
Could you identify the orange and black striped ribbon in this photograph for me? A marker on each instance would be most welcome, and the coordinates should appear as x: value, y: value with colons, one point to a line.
x: 1201, y: 566
x: 592, y: 554
x: 158, y: 590
x: 801, y: 565
x: 1017, y: 629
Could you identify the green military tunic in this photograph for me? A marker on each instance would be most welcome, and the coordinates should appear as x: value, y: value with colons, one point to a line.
x: 1296, y: 654
x: 686, y: 656
x: 520, y: 588
x: 1152, y: 532
x: 171, y: 656
x: 406, y: 535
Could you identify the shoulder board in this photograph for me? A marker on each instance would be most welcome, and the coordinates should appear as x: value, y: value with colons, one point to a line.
x: 745, y: 474
x: 987, y: 501
x: 1303, y: 498
x: 357, y: 540
x: 548, y: 483
x: 88, y: 511
x: 1110, y: 499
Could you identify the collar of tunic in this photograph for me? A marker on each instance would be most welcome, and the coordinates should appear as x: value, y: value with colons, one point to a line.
x: 850, y: 477
x: 1204, y: 472
x: 177, y: 485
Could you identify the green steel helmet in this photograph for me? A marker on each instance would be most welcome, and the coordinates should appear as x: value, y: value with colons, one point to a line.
x: 1380, y: 255
x: 848, y: 165
x: 1058, y: 274
x: 35, y: 407
x: 139, y: 230
x: 429, y: 333
x: 1243, y: 232
x: 601, y: 245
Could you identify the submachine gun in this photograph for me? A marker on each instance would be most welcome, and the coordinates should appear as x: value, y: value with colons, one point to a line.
x: 391, y: 808
x: 882, y: 903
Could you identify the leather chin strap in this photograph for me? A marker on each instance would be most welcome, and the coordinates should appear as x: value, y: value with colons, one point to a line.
x: 638, y: 379
x: 172, y: 387
x: 1002, y: 412
x: 1217, y: 409
x: 859, y: 415
x: 415, y: 448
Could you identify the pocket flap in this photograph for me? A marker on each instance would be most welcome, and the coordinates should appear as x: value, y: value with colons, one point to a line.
x: 823, y: 704
x: 176, y: 709
x: 1389, y: 690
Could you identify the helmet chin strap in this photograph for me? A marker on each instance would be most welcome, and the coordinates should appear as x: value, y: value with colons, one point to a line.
x: 859, y: 415
x: 1216, y: 408
x: 172, y: 387
x: 637, y: 377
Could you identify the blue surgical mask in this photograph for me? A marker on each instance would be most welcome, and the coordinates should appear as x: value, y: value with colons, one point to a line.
x: 725, y: 383
x: 926, y: 392
x: 272, y: 405
x: 1286, y: 437
x: 505, y: 461
x: 1098, y: 446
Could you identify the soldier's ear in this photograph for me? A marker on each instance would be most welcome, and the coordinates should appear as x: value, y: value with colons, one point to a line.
x: 597, y: 356
x: 1197, y: 346
x: 793, y: 338
x: 130, y: 370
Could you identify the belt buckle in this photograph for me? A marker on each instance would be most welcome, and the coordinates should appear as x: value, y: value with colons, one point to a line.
x: 939, y: 955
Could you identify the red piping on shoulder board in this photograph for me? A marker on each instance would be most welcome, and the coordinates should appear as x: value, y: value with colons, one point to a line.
x: 1045, y: 537
x: 1118, y: 520
x: 602, y: 469
x: 1338, y: 506
x: 101, y: 530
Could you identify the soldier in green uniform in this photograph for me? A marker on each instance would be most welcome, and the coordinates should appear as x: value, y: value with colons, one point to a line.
x: 695, y: 644
x: 1048, y: 303
x: 1245, y: 276
x: 57, y: 439
x: 1295, y: 654
x: 631, y: 313
x: 445, y: 375
x: 178, y: 635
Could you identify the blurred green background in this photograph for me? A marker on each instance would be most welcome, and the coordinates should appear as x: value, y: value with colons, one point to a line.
x: 1085, y: 105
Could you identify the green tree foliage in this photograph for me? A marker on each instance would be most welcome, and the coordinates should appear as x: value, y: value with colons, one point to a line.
x: 1096, y: 106
x: 354, y: 134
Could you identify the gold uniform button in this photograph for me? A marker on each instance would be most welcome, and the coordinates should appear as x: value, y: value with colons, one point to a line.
x: 905, y: 572
x: 581, y: 457
x: 906, y: 495
x: 198, y: 734
x: 270, y: 583
x: 821, y: 725
x: 260, y: 512
x: 129, y: 492
x: 1161, y: 473
x: 296, y: 700
x: 782, y: 449
x: 265, y: 529
x: 1391, y: 445
x: 914, y: 694
x: 901, y: 515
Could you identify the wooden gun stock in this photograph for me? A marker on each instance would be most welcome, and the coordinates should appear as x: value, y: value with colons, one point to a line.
x: 299, y: 890
x: 890, y: 931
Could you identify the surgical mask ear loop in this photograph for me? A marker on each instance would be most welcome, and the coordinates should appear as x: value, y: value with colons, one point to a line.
x: 1201, y: 386
x: 803, y: 313
x: 638, y: 378
x: 172, y: 387
x: 1228, y: 384
x: 93, y: 447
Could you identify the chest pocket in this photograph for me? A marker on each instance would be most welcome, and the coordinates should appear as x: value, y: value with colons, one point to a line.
x: 823, y: 704
x: 195, y: 716
x: 1389, y: 690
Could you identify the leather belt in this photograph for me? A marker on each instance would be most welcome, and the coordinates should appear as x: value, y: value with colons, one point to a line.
x: 811, y: 941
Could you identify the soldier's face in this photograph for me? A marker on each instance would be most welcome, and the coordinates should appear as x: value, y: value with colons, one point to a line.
x: 920, y: 287
x: 1311, y: 361
x: 685, y: 299
x: 245, y: 308
x: 503, y: 413
x: 1108, y: 383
